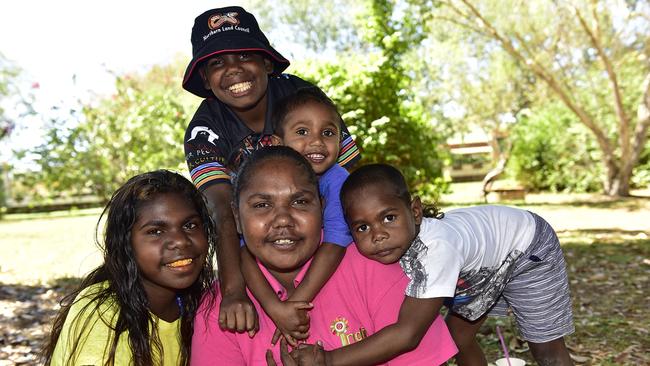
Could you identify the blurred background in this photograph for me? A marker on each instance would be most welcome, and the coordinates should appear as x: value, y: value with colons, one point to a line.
x: 539, y: 104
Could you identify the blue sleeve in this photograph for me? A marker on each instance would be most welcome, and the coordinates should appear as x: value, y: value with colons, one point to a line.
x: 335, y: 229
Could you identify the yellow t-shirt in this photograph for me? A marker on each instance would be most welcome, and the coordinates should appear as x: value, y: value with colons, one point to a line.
x: 96, y: 335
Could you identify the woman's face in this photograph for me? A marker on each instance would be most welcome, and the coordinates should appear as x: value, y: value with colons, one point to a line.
x: 279, y: 214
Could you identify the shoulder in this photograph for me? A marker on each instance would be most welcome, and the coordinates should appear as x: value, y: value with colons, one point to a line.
x: 371, y: 275
x: 334, y: 178
x: 286, y: 83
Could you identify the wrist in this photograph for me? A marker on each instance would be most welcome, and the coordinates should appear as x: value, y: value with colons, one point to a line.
x: 328, y: 358
x: 233, y: 288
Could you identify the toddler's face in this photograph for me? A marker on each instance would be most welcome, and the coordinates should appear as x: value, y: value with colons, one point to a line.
x: 169, y: 243
x: 383, y: 225
x: 313, y: 129
x: 237, y: 79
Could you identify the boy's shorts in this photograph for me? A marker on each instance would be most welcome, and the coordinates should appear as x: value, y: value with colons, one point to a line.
x: 538, y: 290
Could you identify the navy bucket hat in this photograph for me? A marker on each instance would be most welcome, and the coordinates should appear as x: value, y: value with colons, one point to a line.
x: 226, y: 30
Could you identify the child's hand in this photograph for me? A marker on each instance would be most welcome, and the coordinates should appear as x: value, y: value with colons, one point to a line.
x: 292, y: 320
x: 285, y: 357
x: 238, y: 314
x: 309, y: 354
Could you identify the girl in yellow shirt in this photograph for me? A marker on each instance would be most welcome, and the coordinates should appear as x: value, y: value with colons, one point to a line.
x: 138, y: 307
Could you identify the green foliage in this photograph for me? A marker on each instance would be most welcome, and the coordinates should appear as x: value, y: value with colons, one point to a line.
x: 375, y: 94
x: 139, y: 128
x: 551, y: 151
x: 390, y: 125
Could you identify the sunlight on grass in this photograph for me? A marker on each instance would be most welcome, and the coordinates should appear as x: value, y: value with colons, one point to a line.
x: 38, y: 250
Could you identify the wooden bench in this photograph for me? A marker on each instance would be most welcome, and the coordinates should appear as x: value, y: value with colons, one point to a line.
x: 507, y: 194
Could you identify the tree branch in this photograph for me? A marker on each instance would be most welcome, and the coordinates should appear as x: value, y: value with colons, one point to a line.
x: 624, y: 123
x: 540, y: 71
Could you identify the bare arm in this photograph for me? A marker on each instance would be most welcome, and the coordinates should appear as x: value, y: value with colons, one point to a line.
x: 415, y: 318
x: 326, y: 260
x: 237, y: 311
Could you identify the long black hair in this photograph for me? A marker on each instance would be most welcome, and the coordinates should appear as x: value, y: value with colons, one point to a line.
x: 120, y: 271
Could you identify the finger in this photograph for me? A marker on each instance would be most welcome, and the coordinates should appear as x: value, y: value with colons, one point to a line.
x: 269, y: 358
x: 251, y: 323
x: 223, y: 319
x: 299, y: 335
x: 285, y: 357
x: 290, y: 339
x: 303, y: 305
x: 276, y: 336
x: 240, y: 321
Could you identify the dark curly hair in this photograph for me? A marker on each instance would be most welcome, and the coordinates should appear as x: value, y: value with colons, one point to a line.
x: 120, y: 272
x: 388, y: 176
x: 297, y: 99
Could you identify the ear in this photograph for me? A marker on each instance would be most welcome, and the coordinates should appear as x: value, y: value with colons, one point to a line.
x: 276, y: 140
x: 235, y: 214
x: 416, y: 209
x: 268, y: 66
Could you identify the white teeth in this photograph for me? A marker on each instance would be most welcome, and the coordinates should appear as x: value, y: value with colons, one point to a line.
x: 316, y: 156
x: 180, y: 263
x: 283, y: 241
x: 240, y: 87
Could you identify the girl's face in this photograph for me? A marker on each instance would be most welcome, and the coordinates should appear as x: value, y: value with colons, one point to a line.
x: 313, y: 129
x: 279, y: 214
x: 382, y: 224
x: 169, y: 243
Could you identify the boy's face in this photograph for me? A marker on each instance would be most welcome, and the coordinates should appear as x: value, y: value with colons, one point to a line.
x: 313, y: 129
x: 382, y: 224
x: 237, y: 79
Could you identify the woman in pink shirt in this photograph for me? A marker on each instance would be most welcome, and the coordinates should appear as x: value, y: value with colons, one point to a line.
x: 278, y: 210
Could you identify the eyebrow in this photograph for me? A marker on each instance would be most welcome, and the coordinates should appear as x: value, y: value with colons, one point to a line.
x: 158, y: 222
x: 379, y: 214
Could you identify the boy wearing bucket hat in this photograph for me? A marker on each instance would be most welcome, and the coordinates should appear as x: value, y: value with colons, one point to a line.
x: 239, y: 73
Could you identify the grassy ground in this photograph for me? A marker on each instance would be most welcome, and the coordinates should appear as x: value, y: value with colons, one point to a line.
x: 606, y: 245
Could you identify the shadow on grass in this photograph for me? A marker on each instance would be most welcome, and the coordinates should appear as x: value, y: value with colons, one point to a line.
x: 26, y: 317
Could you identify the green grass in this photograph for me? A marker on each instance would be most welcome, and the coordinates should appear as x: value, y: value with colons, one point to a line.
x: 606, y: 247
x: 38, y: 248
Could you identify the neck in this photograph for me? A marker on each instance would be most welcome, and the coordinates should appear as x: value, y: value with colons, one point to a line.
x: 254, y: 117
x: 162, y: 303
x: 286, y: 279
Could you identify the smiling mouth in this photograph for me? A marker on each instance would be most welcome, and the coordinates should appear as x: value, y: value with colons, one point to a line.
x: 284, y: 243
x: 240, y: 87
x: 315, y: 157
x: 180, y: 263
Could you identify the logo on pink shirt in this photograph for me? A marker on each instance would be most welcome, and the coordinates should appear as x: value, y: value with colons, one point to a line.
x: 339, y: 327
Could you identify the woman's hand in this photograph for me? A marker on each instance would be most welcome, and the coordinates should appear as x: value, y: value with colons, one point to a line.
x: 285, y: 357
x: 292, y: 320
x: 237, y: 314
x: 310, y: 355
x: 304, y: 355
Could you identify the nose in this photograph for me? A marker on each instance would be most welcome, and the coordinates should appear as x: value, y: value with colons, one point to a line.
x: 379, y: 235
x: 232, y: 64
x: 316, y: 140
x: 282, y: 218
x: 178, y: 239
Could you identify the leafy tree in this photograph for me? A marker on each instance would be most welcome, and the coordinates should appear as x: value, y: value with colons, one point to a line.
x: 371, y: 80
x: 539, y: 158
x: 137, y: 129
x: 591, y: 55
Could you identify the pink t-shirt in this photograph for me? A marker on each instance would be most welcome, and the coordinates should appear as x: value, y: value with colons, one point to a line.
x: 360, y: 298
